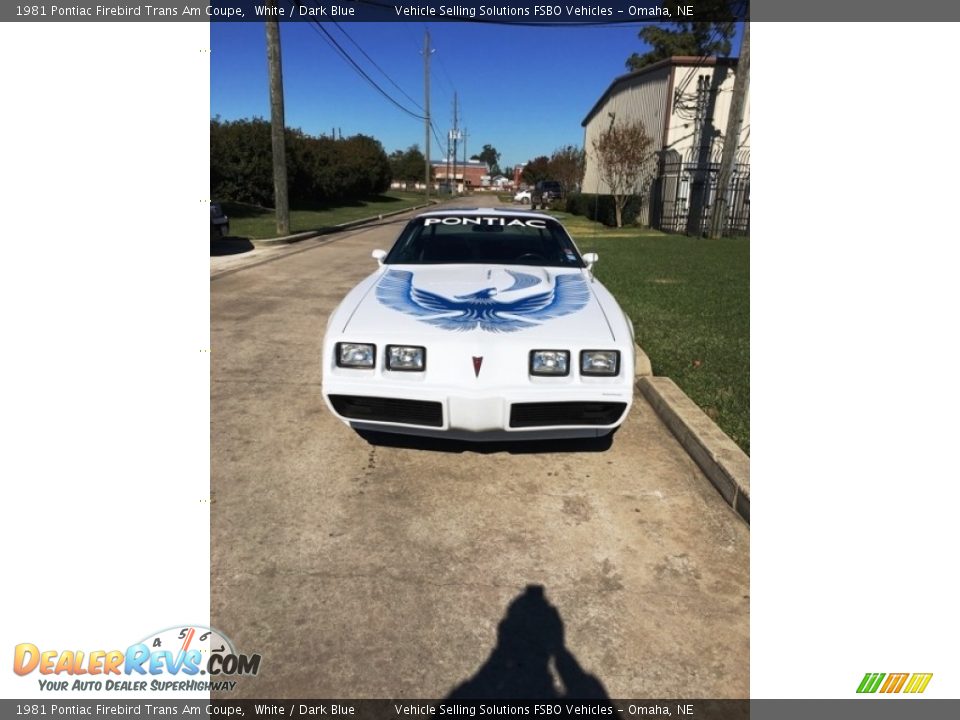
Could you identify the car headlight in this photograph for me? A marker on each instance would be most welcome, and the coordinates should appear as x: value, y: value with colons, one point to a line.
x: 406, y: 357
x: 600, y: 362
x: 550, y: 362
x: 356, y: 355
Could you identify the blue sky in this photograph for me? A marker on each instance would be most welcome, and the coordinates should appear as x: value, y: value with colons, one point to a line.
x: 524, y: 90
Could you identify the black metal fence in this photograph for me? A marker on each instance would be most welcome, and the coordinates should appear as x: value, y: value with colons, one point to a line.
x: 682, y: 196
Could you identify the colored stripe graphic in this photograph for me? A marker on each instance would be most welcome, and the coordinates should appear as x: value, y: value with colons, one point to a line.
x: 918, y: 683
x: 870, y: 682
x: 186, y: 641
x: 894, y: 682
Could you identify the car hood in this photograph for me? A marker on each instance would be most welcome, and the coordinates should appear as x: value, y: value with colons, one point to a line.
x: 421, y: 301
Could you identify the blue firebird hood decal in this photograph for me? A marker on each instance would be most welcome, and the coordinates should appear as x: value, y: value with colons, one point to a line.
x: 569, y: 294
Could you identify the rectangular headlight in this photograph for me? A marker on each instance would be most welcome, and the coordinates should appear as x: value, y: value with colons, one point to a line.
x: 550, y: 362
x: 356, y: 355
x: 410, y: 358
x: 600, y: 362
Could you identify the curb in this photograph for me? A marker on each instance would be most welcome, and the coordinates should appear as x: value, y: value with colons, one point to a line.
x: 720, y: 459
x: 641, y: 363
x: 297, y: 237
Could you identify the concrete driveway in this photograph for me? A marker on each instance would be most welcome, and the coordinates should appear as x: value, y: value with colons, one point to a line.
x: 407, y: 569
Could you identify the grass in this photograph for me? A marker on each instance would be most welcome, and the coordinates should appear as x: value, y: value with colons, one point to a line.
x: 255, y: 222
x: 689, y: 299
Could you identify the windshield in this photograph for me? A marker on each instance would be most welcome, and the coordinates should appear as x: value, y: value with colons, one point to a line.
x: 486, y: 240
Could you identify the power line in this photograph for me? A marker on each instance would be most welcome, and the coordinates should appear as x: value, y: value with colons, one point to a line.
x: 738, y: 10
x: 374, y: 63
x: 346, y: 56
x: 319, y: 28
x: 446, y: 75
x: 438, y: 87
x: 714, y: 35
x: 436, y: 135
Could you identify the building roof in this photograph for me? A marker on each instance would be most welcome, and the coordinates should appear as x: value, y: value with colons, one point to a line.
x: 676, y: 60
x: 460, y: 163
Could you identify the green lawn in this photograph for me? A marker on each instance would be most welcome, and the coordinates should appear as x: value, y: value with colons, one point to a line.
x: 253, y: 221
x: 689, y: 299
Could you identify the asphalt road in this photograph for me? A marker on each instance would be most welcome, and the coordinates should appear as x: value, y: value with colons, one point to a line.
x: 359, y: 568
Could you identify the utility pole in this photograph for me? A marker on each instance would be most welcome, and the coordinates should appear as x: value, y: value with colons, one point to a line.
x: 456, y: 136
x: 447, y: 176
x: 464, y: 159
x: 426, y: 107
x: 277, y: 123
x: 731, y: 138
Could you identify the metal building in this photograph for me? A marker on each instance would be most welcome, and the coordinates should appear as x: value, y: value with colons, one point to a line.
x: 683, y: 103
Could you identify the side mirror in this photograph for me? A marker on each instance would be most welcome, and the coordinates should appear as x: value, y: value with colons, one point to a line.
x: 379, y: 255
x: 590, y: 259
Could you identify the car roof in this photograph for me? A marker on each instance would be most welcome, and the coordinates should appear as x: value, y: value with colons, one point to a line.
x: 486, y: 212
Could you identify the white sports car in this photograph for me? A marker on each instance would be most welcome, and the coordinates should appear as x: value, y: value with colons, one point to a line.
x: 480, y: 324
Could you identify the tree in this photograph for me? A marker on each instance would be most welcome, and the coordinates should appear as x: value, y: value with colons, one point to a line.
x: 491, y: 157
x: 365, y: 165
x: 241, y: 166
x: 567, y: 165
x: 536, y: 170
x: 690, y: 38
x: 407, y: 165
x: 732, y: 139
x: 319, y: 169
x: 623, y: 157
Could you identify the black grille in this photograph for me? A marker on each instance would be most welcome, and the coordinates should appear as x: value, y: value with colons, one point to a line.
x: 565, y: 413
x: 410, y: 412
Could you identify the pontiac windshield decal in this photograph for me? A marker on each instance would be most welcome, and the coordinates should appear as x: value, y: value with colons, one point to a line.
x: 499, y: 221
x: 479, y: 309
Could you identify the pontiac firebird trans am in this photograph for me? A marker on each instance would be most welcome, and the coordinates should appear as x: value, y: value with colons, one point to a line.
x: 480, y: 324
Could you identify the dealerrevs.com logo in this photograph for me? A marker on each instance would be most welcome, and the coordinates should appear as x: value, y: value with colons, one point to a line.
x: 182, y: 658
x: 894, y: 683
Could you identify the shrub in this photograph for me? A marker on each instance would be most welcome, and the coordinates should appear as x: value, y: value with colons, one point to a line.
x: 320, y: 170
x: 604, y: 211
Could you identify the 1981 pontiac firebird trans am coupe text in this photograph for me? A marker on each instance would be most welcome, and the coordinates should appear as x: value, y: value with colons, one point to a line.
x: 481, y: 325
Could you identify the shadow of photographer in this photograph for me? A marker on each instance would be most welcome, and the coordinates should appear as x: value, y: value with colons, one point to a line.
x: 530, y: 660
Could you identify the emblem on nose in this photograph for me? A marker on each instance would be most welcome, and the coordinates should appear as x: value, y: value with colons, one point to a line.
x: 477, y: 362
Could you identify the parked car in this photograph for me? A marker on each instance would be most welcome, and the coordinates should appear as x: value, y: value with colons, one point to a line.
x: 481, y: 325
x: 544, y: 192
x: 219, y: 222
x: 522, y: 196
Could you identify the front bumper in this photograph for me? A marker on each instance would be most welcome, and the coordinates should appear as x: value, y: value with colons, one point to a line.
x: 513, y: 413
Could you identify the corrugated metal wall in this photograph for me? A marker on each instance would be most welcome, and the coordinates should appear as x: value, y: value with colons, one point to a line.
x: 643, y: 98
x: 699, y: 103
